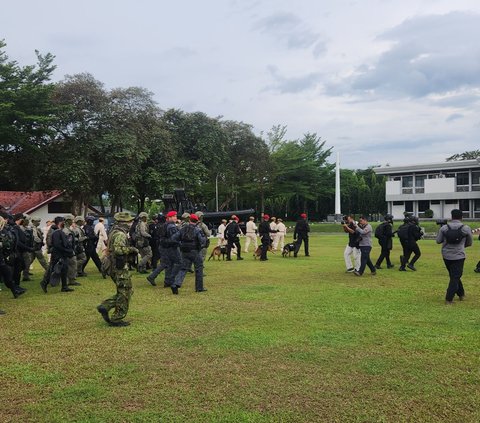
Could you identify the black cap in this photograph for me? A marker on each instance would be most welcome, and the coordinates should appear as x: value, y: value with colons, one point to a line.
x: 59, y: 219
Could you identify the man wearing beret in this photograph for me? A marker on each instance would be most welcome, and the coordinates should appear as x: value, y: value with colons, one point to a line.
x: 118, y: 248
x: 232, y: 232
x: 301, y: 234
x: 170, y: 257
x: 192, y: 241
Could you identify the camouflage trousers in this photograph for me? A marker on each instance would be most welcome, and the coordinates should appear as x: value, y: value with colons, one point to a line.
x: 146, y: 255
x: 81, y: 259
x: 41, y: 258
x: 121, y: 300
x: 72, y: 269
x: 27, y: 260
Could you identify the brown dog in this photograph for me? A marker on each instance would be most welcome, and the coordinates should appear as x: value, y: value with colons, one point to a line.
x: 220, y: 250
x: 258, y: 251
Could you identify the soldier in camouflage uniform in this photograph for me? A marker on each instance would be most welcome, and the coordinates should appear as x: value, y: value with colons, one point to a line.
x: 38, y: 243
x: 206, y: 233
x: 27, y: 255
x: 118, y: 248
x: 71, y: 261
x: 80, y: 239
x: 142, y: 242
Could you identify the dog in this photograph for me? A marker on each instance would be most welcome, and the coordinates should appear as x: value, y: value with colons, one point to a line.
x: 219, y: 250
x: 258, y: 251
x: 288, y: 249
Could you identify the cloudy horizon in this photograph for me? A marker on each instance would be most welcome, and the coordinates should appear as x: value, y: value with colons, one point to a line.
x: 381, y: 81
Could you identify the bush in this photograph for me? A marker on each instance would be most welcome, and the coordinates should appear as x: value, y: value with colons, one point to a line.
x: 428, y: 213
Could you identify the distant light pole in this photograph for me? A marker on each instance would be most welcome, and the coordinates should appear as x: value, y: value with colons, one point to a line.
x: 216, y: 192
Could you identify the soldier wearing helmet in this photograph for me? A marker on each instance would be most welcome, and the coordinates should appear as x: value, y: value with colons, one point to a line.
x: 142, y: 242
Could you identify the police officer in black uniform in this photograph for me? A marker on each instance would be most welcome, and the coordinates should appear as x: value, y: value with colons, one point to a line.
x: 7, y: 251
x: 171, y: 258
x: 232, y: 233
x: 62, y: 249
x: 264, y: 232
x: 91, y: 244
x: 409, y: 233
x: 21, y: 248
x: 300, y: 234
x: 384, y: 234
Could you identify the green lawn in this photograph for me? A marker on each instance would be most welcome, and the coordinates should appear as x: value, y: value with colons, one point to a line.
x: 288, y: 340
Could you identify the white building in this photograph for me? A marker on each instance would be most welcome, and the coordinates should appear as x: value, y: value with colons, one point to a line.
x: 440, y: 187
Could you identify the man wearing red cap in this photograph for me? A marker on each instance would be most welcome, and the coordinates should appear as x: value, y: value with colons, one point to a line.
x: 232, y: 232
x: 264, y: 230
x: 301, y: 234
x: 169, y: 249
x: 192, y: 240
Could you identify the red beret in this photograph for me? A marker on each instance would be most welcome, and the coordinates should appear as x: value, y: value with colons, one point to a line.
x: 171, y: 213
x: 303, y: 215
x: 266, y: 216
x: 235, y: 218
x: 194, y: 217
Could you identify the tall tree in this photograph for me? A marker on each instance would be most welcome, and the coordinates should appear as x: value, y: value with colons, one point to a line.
x: 26, y: 116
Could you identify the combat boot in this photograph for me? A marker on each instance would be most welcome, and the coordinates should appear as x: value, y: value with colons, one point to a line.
x: 104, y: 312
x: 119, y: 324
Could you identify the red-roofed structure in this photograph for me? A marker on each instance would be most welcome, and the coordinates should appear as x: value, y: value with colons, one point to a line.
x: 26, y: 202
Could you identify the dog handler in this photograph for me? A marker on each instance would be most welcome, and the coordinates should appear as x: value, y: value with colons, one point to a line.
x: 264, y: 231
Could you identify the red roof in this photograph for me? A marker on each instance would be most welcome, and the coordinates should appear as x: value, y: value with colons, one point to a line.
x: 26, y: 202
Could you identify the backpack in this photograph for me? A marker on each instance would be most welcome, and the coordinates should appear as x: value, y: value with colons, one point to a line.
x: 132, y: 232
x: 7, y: 238
x: 380, y: 231
x: 403, y: 232
x: 162, y: 235
x: 454, y: 236
x: 188, y: 238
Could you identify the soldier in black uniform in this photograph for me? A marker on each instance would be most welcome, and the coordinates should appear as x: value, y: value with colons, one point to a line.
x: 7, y: 251
x: 170, y: 258
x: 409, y: 233
x: 301, y: 234
x: 91, y: 244
x: 192, y: 240
x: 21, y: 248
x: 384, y: 234
x: 232, y: 232
x: 264, y: 231
x: 62, y: 250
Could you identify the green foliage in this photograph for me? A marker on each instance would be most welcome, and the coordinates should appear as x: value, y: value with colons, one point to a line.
x: 118, y: 145
x: 466, y: 155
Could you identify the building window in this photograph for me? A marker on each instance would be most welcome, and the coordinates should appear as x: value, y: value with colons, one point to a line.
x: 423, y: 205
x: 476, y: 209
x: 60, y: 207
x: 433, y: 176
x: 451, y: 201
x: 398, y: 203
x: 476, y: 181
x: 434, y: 202
x: 420, y: 184
x: 396, y: 178
x: 462, y: 182
x: 409, y: 206
x: 407, y: 184
x: 464, y: 205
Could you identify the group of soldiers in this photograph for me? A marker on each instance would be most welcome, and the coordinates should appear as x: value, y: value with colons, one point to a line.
x: 175, y: 246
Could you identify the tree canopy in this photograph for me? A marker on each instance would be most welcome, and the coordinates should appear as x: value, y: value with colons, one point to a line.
x: 119, y: 146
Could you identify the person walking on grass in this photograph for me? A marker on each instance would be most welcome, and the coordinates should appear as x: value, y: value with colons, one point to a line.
x: 365, y: 230
x: 118, y: 248
x: 454, y: 237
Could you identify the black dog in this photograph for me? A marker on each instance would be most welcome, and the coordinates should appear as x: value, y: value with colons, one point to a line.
x: 288, y: 249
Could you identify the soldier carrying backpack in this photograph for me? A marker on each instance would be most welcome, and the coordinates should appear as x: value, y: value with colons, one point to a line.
x: 384, y: 234
x: 409, y: 233
x: 454, y: 237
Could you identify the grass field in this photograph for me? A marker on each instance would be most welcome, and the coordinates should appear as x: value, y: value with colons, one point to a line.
x: 288, y: 340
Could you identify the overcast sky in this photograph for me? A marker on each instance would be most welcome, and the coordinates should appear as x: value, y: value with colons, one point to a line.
x: 382, y: 81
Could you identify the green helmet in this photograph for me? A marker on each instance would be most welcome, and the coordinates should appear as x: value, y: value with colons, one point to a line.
x: 123, y: 217
x: 142, y: 215
x: 70, y: 217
